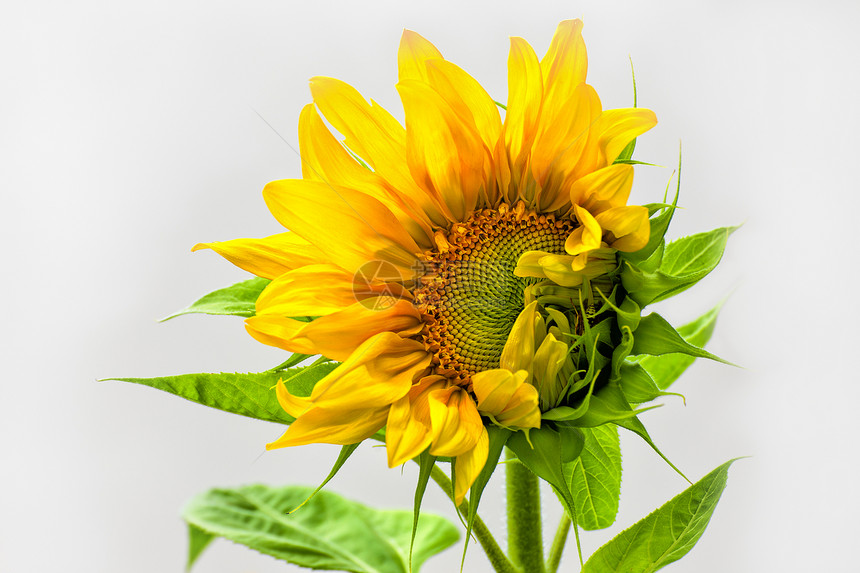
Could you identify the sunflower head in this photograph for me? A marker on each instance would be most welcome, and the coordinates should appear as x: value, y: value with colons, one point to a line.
x: 474, y: 270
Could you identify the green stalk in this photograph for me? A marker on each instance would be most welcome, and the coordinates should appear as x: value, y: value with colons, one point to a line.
x: 558, y: 544
x: 497, y: 557
x: 525, y: 541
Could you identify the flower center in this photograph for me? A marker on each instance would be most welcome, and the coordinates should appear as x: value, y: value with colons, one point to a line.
x: 469, y: 294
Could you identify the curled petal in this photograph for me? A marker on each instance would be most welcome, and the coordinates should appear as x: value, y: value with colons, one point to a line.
x: 455, y: 420
x: 628, y: 228
x: 520, y: 346
x: 507, y: 397
x: 604, y: 189
x: 469, y: 465
x: 586, y: 237
x: 408, y: 431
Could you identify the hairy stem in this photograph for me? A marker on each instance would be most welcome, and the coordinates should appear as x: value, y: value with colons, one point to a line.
x: 497, y: 557
x: 525, y: 540
x: 558, y: 544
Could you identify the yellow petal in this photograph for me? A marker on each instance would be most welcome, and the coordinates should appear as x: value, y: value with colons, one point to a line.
x: 520, y: 346
x: 445, y: 155
x: 300, y: 292
x: 560, y: 143
x: 587, y: 236
x: 350, y: 227
x: 408, y: 431
x: 269, y: 257
x: 325, y: 159
x: 469, y: 465
x: 507, y: 397
x: 373, y: 134
x: 548, y: 361
x: 414, y: 51
x: 336, y: 335
x: 618, y: 127
x: 321, y: 426
x: 604, y: 189
x: 525, y: 90
x: 377, y: 374
x: 628, y: 227
x: 564, y: 66
x: 455, y: 421
x: 467, y: 98
x: 293, y: 405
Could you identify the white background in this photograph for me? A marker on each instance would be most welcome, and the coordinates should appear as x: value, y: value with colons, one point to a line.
x: 129, y: 132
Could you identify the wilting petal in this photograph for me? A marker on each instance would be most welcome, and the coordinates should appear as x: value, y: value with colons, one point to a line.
x: 350, y: 227
x: 469, y: 465
x: 321, y: 426
x: 408, y: 431
x: 455, y: 420
x: 412, y: 55
x: 628, y: 227
x: 507, y: 397
x: 336, y: 335
x: 269, y: 257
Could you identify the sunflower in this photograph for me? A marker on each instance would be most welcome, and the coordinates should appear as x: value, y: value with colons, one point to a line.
x: 444, y: 263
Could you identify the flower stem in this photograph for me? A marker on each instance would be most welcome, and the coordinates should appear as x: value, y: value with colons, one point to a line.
x: 525, y: 541
x: 558, y: 544
x: 500, y: 563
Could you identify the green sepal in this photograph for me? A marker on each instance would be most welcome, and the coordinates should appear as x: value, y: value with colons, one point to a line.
x: 345, y: 452
x: 667, y: 534
x: 638, y: 386
x: 250, y: 395
x: 234, y: 300
x: 684, y: 262
x: 498, y: 437
x: 545, y: 451
x: 667, y: 368
x: 594, y: 478
x: 291, y: 362
x: 198, y: 540
x: 637, y: 427
x: 608, y: 405
x: 627, y: 153
x: 656, y: 336
x: 426, y: 462
x: 330, y: 533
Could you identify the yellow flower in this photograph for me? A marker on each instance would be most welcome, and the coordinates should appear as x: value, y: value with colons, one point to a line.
x: 445, y: 209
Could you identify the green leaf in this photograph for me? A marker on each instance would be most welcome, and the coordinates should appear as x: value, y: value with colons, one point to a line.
x: 667, y: 368
x: 685, y: 262
x: 345, y: 453
x: 657, y: 337
x: 198, y: 540
x: 667, y: 534
x: 594, y: 478
x: 330, y: 532
x: 235, y: 300
x: 249, y: 395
